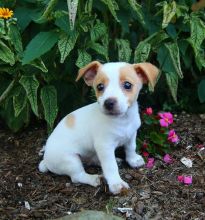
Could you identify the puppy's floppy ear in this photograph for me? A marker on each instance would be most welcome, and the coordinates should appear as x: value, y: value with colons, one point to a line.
x: 89, y: 72
x: 147, y: 72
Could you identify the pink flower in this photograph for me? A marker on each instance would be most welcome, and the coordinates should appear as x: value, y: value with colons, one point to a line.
x: 145, y: 153
x: 167, y: 159
x: 188, y: 180
x: 172, y: 136
x: 180, y: 179
x: 185, y: 179
x: 150, y: 162
x: 199, y: 146
x: 166, y: 119
x: 148, y: 111
x: 145, y: 146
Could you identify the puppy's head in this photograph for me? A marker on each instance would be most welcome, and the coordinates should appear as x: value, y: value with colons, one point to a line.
x: 117, y: 85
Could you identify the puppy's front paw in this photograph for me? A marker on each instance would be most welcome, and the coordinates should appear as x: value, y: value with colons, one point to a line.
x: 95, y: 180
x: 116, y: 188
x: 135, y: 161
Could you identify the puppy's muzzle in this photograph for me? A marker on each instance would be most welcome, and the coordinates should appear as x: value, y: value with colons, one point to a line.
x: 110, y: 104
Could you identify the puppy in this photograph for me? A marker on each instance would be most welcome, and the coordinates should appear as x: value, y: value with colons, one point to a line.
x: 94, y: 132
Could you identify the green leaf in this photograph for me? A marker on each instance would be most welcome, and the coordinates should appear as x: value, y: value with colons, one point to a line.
x: 6, y: 54
x: 171, y: 30
x: 197, y: 38
x: 113, y: 7
x: 138, y: 9
x: 157, y: 138
x: 19, y: 101
x: 2, y: 27
x: 63, y: 23
x: 39, y: 45
x: 156, y: 39
x: 164, y: 59
x: 85, y: 22
x: 197, y: 32
x: 88, y: 6
x: 15, y: 37
x: 49, y: 101
x: 182, y: 10
x: 174, y: 55
x: 201, y: 91
x: 149, y: 120
x: 200, y: 60
x: 72, y: 12
x: 83, y: 58
x: 14, y: 123
x: 98, y: 31
x: 100, y: 49
x: 39, y: 64
x: 31, y: 84
x: 142, y: 52
x: 169, y: 11
x: 124, y: 50
x: 24, y: 16
x: 48, y: 11
x: 172, y: 81
x: 66, y: 44
x: 105, y: 42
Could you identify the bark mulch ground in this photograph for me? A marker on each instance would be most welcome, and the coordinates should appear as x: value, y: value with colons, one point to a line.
x: 25, y: 193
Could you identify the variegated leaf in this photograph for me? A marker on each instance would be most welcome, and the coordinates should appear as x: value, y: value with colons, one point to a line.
x: 124, y: 50
x: 83, y: 58
x: 66, y: 44
x: 142, y: 52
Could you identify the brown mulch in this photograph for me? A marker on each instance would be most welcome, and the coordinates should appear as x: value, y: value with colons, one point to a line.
x: 154, y: 194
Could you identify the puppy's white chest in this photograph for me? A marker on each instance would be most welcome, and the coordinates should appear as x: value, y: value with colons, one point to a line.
x: 124, y: 130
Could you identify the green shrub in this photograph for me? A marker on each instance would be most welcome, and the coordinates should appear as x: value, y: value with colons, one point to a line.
x: 42, y: 46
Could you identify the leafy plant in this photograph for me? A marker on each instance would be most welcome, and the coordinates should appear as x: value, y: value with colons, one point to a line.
x: 43, y: 43
x: 156, y: 138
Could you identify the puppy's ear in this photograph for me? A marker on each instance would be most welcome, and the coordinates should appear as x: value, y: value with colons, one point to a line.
x: 147, y: 72
x: 89, y: 72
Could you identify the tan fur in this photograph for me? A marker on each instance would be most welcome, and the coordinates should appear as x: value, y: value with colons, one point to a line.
x: 70, y: 120
x: 100, y: 78
x: 128, y: 73
x: 147, y: 72
x: 88, y: 71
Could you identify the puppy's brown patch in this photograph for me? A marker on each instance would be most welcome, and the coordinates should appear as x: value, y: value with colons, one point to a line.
x: 128, y: 73
x: 100, y: 78
x: 70, y: 120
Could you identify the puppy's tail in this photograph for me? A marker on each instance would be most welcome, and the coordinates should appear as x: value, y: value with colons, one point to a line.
x: 42, y: 167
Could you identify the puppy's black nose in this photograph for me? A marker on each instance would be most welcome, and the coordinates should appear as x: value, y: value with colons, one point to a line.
x: 110, y: 103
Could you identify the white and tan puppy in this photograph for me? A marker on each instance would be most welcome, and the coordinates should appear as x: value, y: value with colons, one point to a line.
x: 96, y: 130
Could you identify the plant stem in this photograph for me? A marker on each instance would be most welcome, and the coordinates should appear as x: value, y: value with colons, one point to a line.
x: 5, y: 27
x: 7, y: 91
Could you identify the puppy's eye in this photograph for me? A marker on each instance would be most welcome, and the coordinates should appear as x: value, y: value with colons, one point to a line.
x: 127, y: 85
x: 100, y: 87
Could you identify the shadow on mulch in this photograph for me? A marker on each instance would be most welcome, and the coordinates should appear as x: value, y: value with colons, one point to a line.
x: 154, y: 194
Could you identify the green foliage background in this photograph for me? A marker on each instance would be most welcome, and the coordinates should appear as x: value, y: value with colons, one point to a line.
x: 47, y: 41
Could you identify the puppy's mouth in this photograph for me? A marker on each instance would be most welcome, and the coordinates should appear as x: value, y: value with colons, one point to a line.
x: 112, y: 113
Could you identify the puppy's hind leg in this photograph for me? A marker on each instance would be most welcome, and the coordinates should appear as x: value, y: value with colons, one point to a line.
x: 75, y: 170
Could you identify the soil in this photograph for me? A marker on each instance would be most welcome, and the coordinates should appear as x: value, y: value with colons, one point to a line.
x: 155, y: 193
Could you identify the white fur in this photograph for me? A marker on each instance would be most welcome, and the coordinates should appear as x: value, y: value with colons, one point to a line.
x: 95, y: 136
